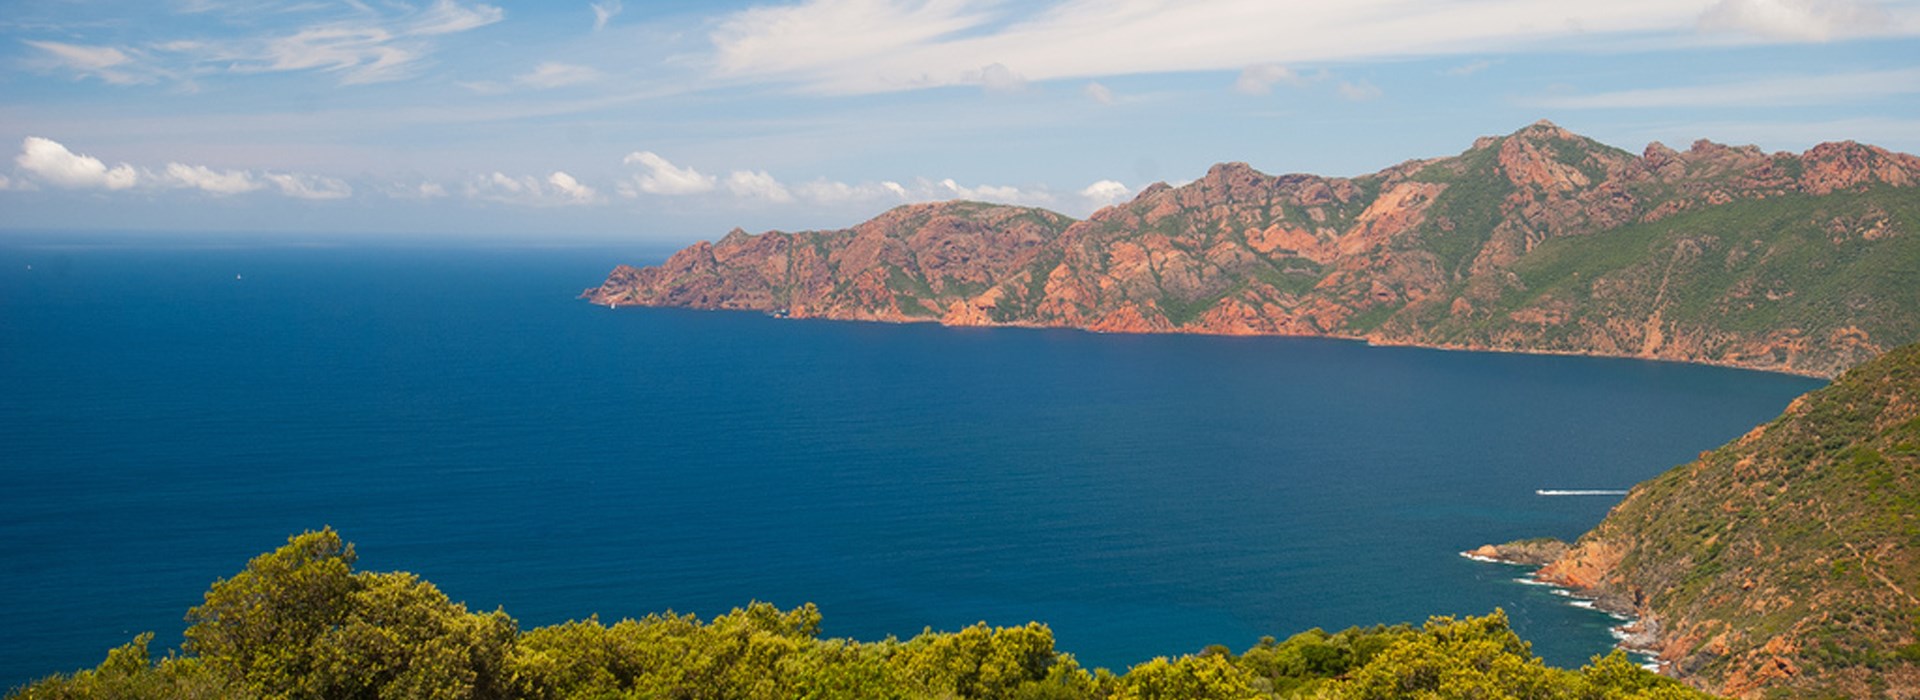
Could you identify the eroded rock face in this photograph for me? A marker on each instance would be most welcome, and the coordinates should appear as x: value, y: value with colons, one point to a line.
x: 1541, y: 240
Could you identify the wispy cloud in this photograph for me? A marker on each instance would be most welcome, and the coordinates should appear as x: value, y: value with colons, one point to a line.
x: 1797, y: 20
x: 604, y: 12
x: 364, y: 45
x: 206, y: 179
x: 1791, y: 133
x: 1469, y: 68
x: 1782, y: 91
x: 425, y: 190
x: 865, y: 46
x: 105, y: 63
x: 1098, y: 93
x: 301, y: 186
x: 996, y: 77
x: 1358, y: 92
x: 1260, y: 79
x: 450, y: 17
x: 553, y: 74
x: 381, y: 49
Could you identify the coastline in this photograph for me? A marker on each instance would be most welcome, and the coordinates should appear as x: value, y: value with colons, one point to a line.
x: 1370, y: 341
x: 1636, y: 635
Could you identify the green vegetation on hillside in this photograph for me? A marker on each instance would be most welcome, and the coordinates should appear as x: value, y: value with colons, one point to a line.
x: 1787, y: 559
x: 300, y: 623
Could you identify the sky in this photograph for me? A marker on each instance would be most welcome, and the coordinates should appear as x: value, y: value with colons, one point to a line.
x: 673, y: 121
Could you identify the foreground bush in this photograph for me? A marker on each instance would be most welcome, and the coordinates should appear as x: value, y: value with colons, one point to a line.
x: 298, y: 622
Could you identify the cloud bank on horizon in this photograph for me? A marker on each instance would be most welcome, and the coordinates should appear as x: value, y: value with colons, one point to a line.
x: 668, y: 121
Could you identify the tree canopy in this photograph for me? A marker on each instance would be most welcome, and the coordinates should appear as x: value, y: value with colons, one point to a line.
x: 300, y: 623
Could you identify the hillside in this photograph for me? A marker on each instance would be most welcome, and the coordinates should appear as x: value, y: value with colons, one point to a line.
x: 1540, y: 241
x: 1786, y: 559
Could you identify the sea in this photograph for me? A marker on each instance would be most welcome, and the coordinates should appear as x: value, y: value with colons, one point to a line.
x: 172, y: 405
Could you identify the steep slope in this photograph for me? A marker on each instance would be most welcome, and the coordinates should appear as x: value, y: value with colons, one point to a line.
x: 1787, y: 559
x: 906, y: 264
x: 1540, y: 241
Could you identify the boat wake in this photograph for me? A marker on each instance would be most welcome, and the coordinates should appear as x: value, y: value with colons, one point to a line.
x: 1580, y: 492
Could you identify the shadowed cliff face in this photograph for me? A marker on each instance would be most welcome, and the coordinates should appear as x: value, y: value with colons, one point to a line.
x: 1539, y: 241
x: 1787, y: 560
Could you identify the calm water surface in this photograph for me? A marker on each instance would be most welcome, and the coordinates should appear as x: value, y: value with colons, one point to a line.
x: 168, y: 411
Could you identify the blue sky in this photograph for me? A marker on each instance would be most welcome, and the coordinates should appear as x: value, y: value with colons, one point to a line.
x: 675, y: 121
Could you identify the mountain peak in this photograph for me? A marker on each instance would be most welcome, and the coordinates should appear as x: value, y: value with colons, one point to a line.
x: 1543, y: 129
x: 1229, y: 168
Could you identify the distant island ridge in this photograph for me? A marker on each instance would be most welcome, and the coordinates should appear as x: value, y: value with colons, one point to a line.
x: 1540, y: 241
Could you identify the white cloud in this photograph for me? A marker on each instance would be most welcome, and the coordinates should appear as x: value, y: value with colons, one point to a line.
x: 107, y: 63
x: 554, y: 74
x: 206, y: 179
x: 1098, y: 93
x: 1784, y: 91
x: 557, y: 189
x: 866, y: 46
x: 604, y: 11
x: 832, y: 192
x: 995, y: 77
x: 1359, y: 92
x: 757, y: 184
x: 1260, y: 79
x: 6, y: 183
x: 50, y: 162
x: 1002, y: 194
x: 662, y: 177
x: 1796, y: 20
x: 1469, y: 68
x: 423, y: 190
x: 300, y: 186
x: 1105, y: 192
x: 566, y: 185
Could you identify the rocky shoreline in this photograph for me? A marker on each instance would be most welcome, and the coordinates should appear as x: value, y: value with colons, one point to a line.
x: 1638, y: 633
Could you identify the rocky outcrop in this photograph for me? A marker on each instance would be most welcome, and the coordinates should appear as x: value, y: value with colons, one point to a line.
x: 1538, y: 241
x: 1534, y: 552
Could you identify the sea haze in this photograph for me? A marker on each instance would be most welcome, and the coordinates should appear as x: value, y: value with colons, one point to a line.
x: 169, y: 411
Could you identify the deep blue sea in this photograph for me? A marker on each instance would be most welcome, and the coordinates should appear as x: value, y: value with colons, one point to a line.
x: 170, y: 407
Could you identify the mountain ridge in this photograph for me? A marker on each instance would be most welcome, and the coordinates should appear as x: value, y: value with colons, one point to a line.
x: 1538, y: 241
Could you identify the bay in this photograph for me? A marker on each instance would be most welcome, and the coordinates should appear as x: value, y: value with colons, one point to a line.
x: 170, y: 407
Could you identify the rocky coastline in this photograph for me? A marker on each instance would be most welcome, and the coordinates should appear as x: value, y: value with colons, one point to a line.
x: 1541, y: 241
